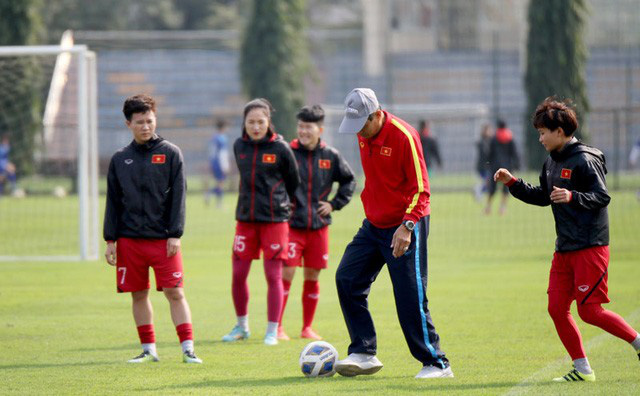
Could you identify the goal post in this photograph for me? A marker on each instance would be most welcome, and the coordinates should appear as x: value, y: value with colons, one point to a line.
x: 52, y: 213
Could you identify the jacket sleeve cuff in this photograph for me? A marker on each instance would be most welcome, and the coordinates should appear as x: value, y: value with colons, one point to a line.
x: 511, y: 182
x: 411, y: 217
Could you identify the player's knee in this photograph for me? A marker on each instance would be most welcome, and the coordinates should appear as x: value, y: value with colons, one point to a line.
x: 557, y: 311
x: 589, y: 313
x: 174, y: 294
x: 343, y: 281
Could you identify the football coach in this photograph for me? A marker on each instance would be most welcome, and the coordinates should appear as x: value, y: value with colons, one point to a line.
x: 395, y: 230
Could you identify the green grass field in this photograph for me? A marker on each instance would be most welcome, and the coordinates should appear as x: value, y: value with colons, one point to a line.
x: 64, y: 330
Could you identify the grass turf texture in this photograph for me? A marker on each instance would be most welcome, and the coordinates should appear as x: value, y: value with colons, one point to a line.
x: 64, y: 330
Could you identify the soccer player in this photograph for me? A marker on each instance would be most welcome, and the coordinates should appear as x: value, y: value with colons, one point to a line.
x: 320, y: 166
x: 572, y: 181
x: 7, y: 168
x: 143, y: 223
x: 218, y: 160
x: 502, y: 154
x: 268, y: 180
x: 396, y: 205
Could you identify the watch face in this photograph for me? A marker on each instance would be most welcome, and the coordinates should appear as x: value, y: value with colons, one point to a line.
x: 409, y: 224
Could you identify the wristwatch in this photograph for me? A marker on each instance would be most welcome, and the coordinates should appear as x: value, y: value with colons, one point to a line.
x: 409, y: 225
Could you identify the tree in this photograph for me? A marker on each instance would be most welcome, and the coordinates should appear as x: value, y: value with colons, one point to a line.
x: 273, y: 58
x: 556, y: 59
x: 19, y: 25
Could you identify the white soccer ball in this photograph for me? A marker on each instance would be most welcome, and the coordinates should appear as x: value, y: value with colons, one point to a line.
x: 19, y: 193
x: 318, y: 359
x: 59, y: 192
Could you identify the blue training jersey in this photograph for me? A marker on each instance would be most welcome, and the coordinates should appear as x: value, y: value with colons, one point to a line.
x: 4, y: 156
x: 219, y: 151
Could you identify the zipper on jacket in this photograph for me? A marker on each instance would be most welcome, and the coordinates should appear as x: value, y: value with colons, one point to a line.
x: 310, y: 187
x: 253, y: 182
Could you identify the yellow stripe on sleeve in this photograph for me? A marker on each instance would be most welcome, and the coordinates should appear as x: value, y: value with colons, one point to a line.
x: 416, y: 164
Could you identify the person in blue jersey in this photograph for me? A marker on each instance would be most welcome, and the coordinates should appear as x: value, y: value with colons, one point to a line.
x: 218, y: 149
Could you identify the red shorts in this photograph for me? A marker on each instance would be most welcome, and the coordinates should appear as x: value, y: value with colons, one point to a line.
x: 310, y: 245
x: 583, y: 273
x: 251, y: 238
x: 135, y: 256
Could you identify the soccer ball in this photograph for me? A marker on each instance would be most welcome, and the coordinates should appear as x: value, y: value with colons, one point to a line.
x: 318, y: 359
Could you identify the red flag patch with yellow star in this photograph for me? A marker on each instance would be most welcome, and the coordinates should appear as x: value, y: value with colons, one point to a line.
x: 565, y: 173
x: 158, y: 159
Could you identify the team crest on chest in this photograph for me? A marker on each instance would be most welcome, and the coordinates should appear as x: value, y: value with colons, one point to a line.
x: 361, y: 144
x: 385, y: 151
x: 269, y: 158
x: 324, y: 164
x: 158, y: 159
x: 565, y: 173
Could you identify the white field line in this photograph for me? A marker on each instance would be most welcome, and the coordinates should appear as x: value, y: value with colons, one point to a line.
x: 552, y: 368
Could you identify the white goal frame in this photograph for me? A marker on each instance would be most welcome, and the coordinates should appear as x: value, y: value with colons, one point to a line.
x: 87, y: 176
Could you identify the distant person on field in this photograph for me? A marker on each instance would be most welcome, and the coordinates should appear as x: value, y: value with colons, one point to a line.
x: 634, y: 157
x: 502, y: 154
x: 7, y: 168
x: 143, y: 223
x: 396, y: 200
x: 430, y: 147
x: 268, y: 181
x: 218, y: 161
x: 320, y: 166
x: 483, y: 146
x: 573, y: 182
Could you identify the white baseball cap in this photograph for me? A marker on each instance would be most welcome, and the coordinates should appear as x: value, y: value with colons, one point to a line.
x: 360, y: 103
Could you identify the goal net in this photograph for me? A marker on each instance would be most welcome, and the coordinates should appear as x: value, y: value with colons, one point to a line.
x: 48, y: 172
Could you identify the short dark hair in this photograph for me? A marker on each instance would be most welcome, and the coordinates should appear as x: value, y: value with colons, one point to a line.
x: 500, y: 123
x: 259, y: 103
x: 222, y: 123
x: 140, y: 103
x: 553, y: 114
x: 313, y: 113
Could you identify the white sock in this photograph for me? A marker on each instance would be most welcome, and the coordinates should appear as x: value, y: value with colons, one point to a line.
x: 151, y: 348
x: 582, y: 365
x: 636, y: 343
x: 243, y: 321
x: 272, y: 327
x: 187, y: 345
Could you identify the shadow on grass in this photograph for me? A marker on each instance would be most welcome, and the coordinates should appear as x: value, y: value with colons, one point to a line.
x: 52, y: 365
x: 357, y: 385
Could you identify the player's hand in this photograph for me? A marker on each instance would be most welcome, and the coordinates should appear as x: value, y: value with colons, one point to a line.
x: 560, y: 195
x: 324, y: 208
x: 110, y: 253
x: 173, y: 246
x: 400, y: 241
x: 503, y: 176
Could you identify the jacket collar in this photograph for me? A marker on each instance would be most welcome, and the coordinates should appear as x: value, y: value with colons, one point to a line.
x: 147, y: 146
x: 296, y: 145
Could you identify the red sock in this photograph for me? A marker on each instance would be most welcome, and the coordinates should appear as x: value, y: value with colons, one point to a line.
x: 239, y: 286
x: 559, y: 304
x: 310, y: 296
x: 185, y: 332
x: 286, y: 286
x: 608, y: 321
x: 146, y: 334
x: 273, y: 273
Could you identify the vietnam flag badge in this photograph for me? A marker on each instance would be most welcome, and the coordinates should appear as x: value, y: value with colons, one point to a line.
x: 158, y: 159
x: 385, y: 151
x: 565, y: 173
x: 269, y: 158
x: 324, y: 164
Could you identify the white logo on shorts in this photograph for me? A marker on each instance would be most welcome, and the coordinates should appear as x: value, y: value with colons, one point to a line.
x: 325, y: 257
x: 275, y: 246
x: 583, y: 288
x: 128, y: 161
x: 313, y: 296
x: 177, y: 275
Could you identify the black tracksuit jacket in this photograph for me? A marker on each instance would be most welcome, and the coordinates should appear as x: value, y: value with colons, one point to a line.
x: 319, y: 169
x: 146, y: 192
x: 268, y: 178
x: 584, y: 221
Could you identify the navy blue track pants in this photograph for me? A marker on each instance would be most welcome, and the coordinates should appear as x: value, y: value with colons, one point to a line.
x: 361, y: 263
